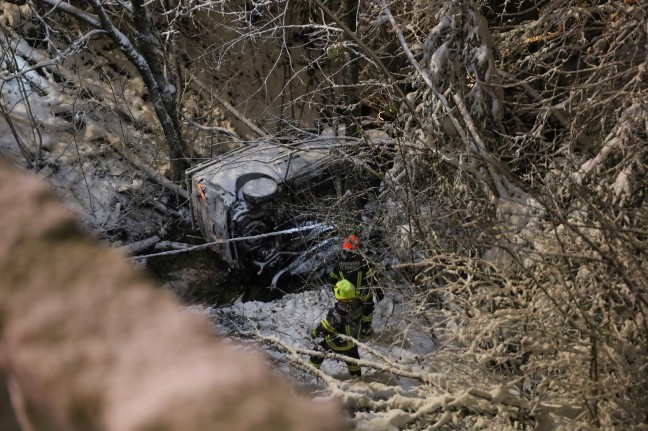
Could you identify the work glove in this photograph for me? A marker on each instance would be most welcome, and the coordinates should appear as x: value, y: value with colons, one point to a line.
x: 317, y: 336
x: 317, y: 332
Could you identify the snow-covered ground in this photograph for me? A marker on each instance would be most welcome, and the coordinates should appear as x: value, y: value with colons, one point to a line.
x: 393, y: 357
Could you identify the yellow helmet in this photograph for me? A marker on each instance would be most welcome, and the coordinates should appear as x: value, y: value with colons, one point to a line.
x: 344, y: 290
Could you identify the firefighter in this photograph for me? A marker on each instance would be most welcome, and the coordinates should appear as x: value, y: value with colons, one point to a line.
x: 353, y: 266
x: 343, y: 318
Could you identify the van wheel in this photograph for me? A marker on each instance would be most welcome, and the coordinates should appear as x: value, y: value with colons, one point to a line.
x: 257, y: 253
x: 259, y: 190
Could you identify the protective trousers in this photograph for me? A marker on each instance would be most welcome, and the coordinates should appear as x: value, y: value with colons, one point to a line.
x: 354, y: 370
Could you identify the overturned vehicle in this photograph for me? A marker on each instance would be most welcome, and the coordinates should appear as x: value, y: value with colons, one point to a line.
x: 267, y: 203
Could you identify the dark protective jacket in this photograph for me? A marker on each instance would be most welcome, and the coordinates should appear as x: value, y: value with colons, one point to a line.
x: 343, y: 318
x: 354, y: 267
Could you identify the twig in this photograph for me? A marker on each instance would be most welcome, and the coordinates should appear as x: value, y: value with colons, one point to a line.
x: 233, y: 110
x: 74, y: 47
x: 375, y: 58
x: 211, y: 128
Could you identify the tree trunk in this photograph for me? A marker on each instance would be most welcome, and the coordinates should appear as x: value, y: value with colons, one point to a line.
x: 351, y: 71
x: 167, y: 91
x: 149, y: 65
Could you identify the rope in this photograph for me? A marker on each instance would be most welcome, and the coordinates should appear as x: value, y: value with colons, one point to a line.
x: 246, y: 238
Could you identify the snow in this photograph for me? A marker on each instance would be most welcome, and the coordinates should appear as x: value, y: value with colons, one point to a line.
x: 290, y: 320
x: 292, y: 317
x: 77, y: 147
x: 437, y: 62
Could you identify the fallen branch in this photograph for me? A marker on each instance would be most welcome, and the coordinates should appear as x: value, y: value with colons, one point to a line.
x: 136, y: 247
x: 166, y: 245
x: 434, y: 379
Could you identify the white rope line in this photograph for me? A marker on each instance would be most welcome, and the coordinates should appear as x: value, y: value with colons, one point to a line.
x: 245, y: 238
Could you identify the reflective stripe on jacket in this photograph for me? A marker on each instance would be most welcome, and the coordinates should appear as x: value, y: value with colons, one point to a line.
x: 357, y: 271
x: 343, y: 318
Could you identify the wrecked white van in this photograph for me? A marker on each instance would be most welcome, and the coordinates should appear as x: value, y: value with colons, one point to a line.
x: 259, y: 203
